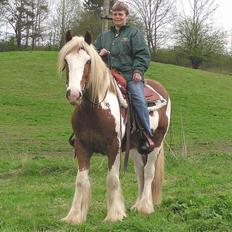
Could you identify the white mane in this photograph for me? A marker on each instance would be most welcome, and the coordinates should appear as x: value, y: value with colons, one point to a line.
x: 99, y: 80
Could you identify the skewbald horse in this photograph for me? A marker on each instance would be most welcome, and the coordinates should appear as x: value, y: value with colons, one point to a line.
x: 99, y: 127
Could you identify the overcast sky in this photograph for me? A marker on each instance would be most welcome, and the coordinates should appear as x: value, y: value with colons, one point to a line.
x: 223, y: 14
x: 222, y: 17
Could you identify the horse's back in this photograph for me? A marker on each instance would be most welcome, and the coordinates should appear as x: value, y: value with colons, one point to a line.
x: 158, y: 87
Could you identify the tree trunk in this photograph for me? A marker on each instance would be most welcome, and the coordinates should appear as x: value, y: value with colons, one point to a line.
x: 106, y: 7
x: 195, y: 62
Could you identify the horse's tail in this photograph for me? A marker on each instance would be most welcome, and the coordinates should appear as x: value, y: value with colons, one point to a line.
x: 157, y: 182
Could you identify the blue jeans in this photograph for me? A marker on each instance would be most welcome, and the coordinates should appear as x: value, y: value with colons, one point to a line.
x: 136, y: 90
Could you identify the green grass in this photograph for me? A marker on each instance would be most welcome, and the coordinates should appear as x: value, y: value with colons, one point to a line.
x: 202, y: 101
x: 37, y: 169
x: 37, y: 191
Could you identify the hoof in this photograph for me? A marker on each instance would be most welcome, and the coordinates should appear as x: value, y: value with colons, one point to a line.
x: 143, y: 207
x: 114, y: 217
x: 72, y: 220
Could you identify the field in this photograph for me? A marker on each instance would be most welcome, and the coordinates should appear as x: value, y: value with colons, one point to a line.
x: 37, y: 168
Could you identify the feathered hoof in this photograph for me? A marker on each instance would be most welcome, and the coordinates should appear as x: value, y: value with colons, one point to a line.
x: 143, y: 207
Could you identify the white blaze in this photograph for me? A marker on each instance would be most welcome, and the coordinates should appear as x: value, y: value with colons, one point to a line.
x: 76, y: 63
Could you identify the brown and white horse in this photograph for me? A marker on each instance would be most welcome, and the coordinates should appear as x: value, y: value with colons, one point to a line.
x: 99, y: 127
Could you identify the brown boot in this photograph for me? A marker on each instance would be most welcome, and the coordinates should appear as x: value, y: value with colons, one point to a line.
x: 146, y: 145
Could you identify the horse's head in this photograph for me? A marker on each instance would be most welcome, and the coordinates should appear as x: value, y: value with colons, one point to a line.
x: 85, y: 70
x: 75, y: 59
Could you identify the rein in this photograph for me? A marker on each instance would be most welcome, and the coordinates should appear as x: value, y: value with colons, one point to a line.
x: 96, y: 103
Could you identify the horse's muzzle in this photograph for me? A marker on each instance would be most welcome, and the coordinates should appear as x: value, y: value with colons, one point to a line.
x: 73, y: 97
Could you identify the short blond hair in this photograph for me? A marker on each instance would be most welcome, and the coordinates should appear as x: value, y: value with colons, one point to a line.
x: 120, y: 6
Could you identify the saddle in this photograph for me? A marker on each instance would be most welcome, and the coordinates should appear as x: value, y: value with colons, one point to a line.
x: 153, y: 98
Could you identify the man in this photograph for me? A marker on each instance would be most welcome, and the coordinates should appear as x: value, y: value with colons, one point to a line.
x: 130, y: 56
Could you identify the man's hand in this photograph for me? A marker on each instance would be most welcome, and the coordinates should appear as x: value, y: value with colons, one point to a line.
x: 137, y: 77
x: 104, y: 52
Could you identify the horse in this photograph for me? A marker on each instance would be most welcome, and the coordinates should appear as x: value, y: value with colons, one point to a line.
x: 99, y: 127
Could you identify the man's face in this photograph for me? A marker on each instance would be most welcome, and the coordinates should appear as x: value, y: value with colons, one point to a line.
x: 119, y: 18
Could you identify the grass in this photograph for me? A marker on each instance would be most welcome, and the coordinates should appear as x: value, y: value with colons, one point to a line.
x: 37, y: 169
x: 37, y: 191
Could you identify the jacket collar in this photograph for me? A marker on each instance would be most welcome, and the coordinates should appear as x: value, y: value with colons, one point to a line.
x: 113, y: 29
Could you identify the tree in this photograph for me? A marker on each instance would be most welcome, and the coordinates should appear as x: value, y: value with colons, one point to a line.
x: 25, y: 17
x: 95, y: 5
x: 38, y: 13
x: 15, y: 15
x: 67, y: 14
x: 88, y: 21
x: 195, y: 35
x: 91, y: 21
x: 156, y: 15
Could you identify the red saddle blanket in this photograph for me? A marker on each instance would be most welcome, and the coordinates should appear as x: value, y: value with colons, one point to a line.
x: 149, y: 92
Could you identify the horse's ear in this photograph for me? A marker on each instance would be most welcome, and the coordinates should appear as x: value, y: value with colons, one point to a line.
x: 68, y: 36
x: 88, y: 38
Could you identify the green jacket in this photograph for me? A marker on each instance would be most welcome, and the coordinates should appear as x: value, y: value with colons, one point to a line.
x: 128, y: 48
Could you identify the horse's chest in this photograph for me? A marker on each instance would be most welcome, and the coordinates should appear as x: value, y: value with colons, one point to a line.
x: 94, y: 123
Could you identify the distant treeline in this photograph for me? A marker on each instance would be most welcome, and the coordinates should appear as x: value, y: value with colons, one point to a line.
x: 216, y: 62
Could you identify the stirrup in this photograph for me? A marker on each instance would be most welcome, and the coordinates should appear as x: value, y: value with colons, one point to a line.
x: 71, y: 139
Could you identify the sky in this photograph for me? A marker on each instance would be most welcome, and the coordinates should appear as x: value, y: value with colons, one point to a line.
x: 223, y: 14
x: 222, y: 17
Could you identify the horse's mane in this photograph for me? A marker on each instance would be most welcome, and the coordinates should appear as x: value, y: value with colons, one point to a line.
x: 99, y: 80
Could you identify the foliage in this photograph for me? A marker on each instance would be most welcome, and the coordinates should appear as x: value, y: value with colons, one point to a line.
x: 215, y: 62
x: 195, y: 36
x: 8, y: 45
x: 156, y: 16
x: 88, y: 21
x: 25, y: 18
x: 95, y: 5
x: 67, y: 14
x: 199, y: 42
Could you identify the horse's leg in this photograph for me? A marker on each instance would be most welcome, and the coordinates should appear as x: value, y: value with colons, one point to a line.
x: 157, y: 182
x: 115, y: 203
x: 145, y: 204
x: 80, y: 204
x: 139, y: 169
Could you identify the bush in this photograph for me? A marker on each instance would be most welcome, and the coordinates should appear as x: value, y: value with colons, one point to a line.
x: 215, y: 62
